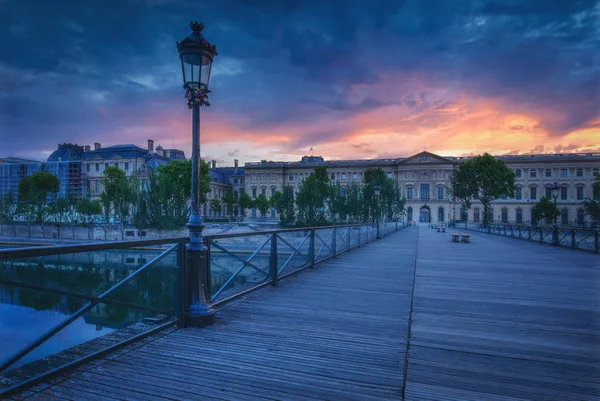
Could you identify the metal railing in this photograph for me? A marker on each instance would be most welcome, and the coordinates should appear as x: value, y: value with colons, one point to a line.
x: 576, y: 238
x: 238, y: 264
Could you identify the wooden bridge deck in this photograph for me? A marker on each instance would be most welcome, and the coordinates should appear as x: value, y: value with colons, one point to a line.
x: 497, y: 319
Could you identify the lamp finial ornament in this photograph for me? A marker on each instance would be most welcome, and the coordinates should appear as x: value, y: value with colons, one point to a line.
x: 196, y: 26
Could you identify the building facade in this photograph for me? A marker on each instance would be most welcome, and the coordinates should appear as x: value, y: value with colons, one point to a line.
x: 425, y: 181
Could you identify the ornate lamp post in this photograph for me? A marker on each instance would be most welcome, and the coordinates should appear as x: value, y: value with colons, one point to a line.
x: 555, y: 189
x: 377, y: 195
x: 196, y: 55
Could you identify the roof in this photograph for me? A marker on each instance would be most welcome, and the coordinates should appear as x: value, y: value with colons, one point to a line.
x: 125, y: 151
x: 11, y: 159
x: 66, y: 152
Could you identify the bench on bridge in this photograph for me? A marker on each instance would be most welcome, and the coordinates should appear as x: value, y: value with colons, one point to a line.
x: 455, y: 237
x: 465, y: 238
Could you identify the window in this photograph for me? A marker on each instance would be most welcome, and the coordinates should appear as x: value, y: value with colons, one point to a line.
x: 505, y: 215
x: 476, y: 215
x: 579, y: 172
x: 272, y: 191
x: 533, y: 173
x: 440, y: 193
x: 97, y: 186
x: 425, y: 192
x: 126, y: 166
x: 490, y: 215
x: 106, y: 165
x: 273, y: 213
x: 236, y: 194
x: 88, y: 167
x: 580, y: 216
x: 595, y: 172
x: 549, y: 192
x: 533, y: 193
x: 533, y: 219
x: 409, y: 193
x: 235, y: 180
x: 519, y: 216
x: 563, y: 172
x: 440, y: 214
x: 263, y: 191
x: 344, y: 176
x: 117, y: 164
x: 518, y: 173
x: 343, y: 191
x: 579, y: 193
x: 518, y: 193
x: 464, y: 213
x: 564, y: 217
x: 300, y: 177
x: 409, y: 212
x: 548, y: 172
x: 291, y: 177
x: 354, y: 176
x: 332, y: 176
x: 254, y: 192
x: 97, y: 166
x: 389, y: 175
x: 563, y: 193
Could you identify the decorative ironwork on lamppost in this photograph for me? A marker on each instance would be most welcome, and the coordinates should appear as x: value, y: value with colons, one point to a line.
x: 196, y: 55
x: 555, y: 189
x: 377, y: 195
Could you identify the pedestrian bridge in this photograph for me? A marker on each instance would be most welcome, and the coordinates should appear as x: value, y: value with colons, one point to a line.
x: 411, y: 316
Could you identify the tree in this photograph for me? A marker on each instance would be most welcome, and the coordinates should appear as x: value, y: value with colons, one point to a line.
x: 483, y: 178
x: 262, y: 204
x: 59, y: 209
x: 8, y: 211
x: 34, y: 192
x: 87, y: 209
x: 117, y: 196
x: 229, y: 201
x: 245, y: 202
x: 545, y: 209
x: 336, y: 202
x: 592, y: 205
x: 215, y: 206
x: 284, y: 204
x: 310, y: 201
x: 354, y: 202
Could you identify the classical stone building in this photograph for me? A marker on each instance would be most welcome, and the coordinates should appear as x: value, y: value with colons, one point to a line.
x: 425, y: 178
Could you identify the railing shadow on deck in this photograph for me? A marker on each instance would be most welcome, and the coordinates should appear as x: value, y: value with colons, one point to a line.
x: 576, y: 238
x: 141, y: 297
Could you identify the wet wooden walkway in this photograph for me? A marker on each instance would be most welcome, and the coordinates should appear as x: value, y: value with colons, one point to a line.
x: 497, y: 319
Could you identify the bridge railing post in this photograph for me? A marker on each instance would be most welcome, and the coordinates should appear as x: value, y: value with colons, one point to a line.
x: 596, y: 242
x: 334, y: 242
x: 311, y: 250
x: 348, y: 236
x: 181, y: 258
x: 358, y: 244
x: 273, y: 259
x: 573, y: 243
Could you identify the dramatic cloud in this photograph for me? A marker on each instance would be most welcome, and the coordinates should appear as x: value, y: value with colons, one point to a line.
x: 352, y: 79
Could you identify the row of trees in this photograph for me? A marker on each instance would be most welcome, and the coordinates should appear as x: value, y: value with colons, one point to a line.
x: 486, y: 179
x: 321, y: 202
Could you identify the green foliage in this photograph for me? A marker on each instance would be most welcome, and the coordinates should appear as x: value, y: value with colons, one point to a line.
x: 483, y: 178
x: 274, y: 199
x: 8, y: 208
x: 592, y: 205
x: 215, y: 206
x: 88, y: 208
x: 354, y: 203
x: 284, y: 204
x: 338, y: 208
x: 59, y: 209
x: 34, y: 191
x: 310, y: 202
x: 545, y: 209
x: 245, y: 202
x: 229, y: 201
x: 262, y: 204
x: 117, y: 195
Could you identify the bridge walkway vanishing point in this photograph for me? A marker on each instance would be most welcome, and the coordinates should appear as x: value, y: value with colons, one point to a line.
x: 497, y: 319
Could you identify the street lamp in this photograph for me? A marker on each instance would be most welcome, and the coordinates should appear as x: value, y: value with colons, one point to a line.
x: 196, y: 55
x: 555, y: 189
x: 377, y: 195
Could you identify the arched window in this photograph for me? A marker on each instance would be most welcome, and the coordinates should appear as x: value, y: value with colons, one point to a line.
x: 564, y: 216
x: 440, y: 214
x: 389, y: 175
x: 490, y: 215
x: 409, y: 212
x: 476, y: 215
x: 464, y: 213
x: 300, y: 176
x: 332, y: 176
x: 504, y: 215
x: 519, y: 215
x: 533, y: 218
x: 580, y: 217
x: 344, y: 176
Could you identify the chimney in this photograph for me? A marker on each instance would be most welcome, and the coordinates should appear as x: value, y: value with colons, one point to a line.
x: 86, y: 148
x: 96, y: 146
x: 214, y: 164
x: 235, y: 163
x: 150, y: 145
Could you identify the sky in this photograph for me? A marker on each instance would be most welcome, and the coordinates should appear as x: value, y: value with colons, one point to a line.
x: 350, y: 79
